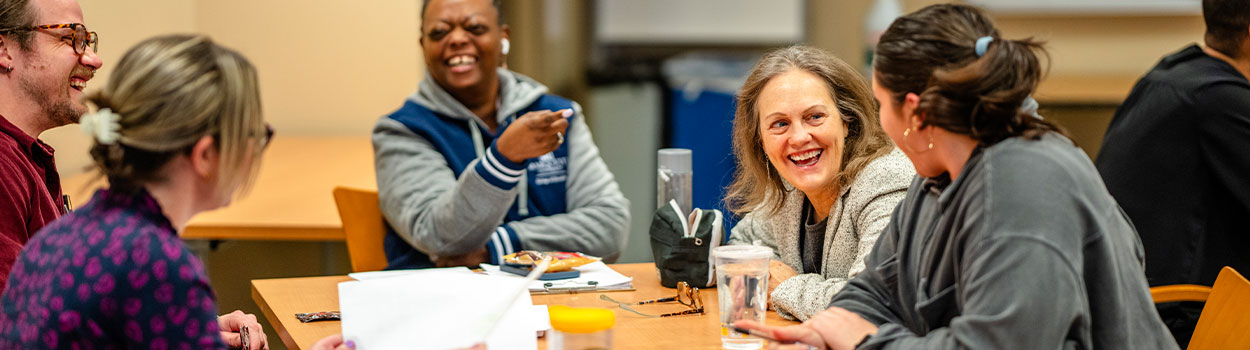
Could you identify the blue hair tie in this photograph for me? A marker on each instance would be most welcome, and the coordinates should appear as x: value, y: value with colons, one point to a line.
x: 983, y: 44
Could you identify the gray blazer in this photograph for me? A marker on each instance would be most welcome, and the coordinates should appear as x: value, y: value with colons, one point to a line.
x: 855, y: 220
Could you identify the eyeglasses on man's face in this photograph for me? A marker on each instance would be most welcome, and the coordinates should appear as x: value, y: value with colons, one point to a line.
x: 79, y: 37
x: 686, y: 295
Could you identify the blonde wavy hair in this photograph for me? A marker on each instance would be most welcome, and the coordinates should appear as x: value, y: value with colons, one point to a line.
x: 756, y: 185
x: 171, y: 91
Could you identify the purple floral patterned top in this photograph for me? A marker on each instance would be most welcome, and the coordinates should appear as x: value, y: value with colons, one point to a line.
x: 112, y: 275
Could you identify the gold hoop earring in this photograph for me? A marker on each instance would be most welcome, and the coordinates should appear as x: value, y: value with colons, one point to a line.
x: 907, y: 132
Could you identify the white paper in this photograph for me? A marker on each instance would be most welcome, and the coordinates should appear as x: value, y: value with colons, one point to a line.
x: 596, y: 271
x: 434, y: 310
x: 541, y: 318
x: 361, y: 276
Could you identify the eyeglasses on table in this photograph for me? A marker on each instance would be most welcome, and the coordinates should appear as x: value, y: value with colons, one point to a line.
x: 686, y: 295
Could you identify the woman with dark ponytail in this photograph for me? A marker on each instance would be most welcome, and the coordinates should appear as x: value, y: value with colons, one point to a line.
x: 1008, y: 238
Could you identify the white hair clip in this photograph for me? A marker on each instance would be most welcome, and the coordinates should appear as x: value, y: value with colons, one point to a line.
x: 103, y: 125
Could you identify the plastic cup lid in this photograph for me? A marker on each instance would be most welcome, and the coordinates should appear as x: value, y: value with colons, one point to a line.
x: 742, y: 252
x: 580, y: 319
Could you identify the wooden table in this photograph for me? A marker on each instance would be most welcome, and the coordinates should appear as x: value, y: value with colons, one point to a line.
x: 281, y: 299
x: 291, y: 199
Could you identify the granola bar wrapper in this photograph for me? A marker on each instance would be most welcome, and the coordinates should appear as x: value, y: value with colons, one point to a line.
x: 561, y: 261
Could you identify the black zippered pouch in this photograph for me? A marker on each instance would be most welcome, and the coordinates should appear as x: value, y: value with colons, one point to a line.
x: 682, y: 251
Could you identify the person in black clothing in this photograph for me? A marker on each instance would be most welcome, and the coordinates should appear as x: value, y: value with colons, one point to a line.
x: 1177, y: 158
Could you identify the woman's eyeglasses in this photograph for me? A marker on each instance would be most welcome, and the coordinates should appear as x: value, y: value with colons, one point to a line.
x: 264, y: 143
x: 81, y: 39
x: 686, y: 295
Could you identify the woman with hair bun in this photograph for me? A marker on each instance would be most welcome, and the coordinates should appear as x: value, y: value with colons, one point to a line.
x: 177, y: 131
x: 1008, y: 238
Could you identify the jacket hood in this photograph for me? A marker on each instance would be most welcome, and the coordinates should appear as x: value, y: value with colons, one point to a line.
x: 516, y: 92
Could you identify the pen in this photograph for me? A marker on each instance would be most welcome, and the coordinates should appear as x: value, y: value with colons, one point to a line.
x: 761, y: 335
x: 245, y: 338
x: 753, y: 333
x: 66, y: 205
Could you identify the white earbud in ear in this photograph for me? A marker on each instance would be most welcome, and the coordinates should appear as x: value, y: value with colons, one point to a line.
x: 506, y: 45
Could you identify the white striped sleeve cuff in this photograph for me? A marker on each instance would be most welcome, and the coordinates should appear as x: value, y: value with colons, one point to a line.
x: 498, y: 170
x: 503, y: 242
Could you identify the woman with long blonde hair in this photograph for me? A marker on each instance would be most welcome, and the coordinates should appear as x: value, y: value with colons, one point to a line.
x: 817, y: 177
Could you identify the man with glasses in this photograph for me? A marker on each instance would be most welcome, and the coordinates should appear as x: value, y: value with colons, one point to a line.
x: 47, y: 55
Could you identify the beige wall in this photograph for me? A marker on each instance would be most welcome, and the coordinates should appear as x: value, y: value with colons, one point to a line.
x: 326, y: 67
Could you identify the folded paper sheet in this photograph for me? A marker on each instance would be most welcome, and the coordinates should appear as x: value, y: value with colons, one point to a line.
x: 435, y: 310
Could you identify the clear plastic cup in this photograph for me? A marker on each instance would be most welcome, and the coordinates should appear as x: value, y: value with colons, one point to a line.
x: 742, y: 290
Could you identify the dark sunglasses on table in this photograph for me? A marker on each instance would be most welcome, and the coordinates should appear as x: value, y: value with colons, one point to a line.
x: 80, y: 39
x: 686, y: 295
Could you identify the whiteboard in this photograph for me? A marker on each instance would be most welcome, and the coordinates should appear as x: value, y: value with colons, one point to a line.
x: 699, y: 21
x: 1091, y: 7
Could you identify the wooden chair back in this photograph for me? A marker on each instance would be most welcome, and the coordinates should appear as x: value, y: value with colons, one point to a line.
x: 363, y: 227
x: 1225, y: 318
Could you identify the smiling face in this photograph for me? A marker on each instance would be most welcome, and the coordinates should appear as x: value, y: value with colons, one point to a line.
x: 51, y: 73
x: 802, y: 132
x: 461, y: 40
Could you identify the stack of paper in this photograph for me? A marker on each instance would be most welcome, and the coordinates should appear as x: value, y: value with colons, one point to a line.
x: 605, y: 277
x: 437, y: 310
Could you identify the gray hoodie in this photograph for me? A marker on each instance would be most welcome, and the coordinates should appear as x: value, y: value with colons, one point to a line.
x: 441, y: 214
x: 1025, y: 249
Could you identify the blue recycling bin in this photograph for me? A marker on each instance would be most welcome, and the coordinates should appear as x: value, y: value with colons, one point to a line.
x: 700, y: 118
